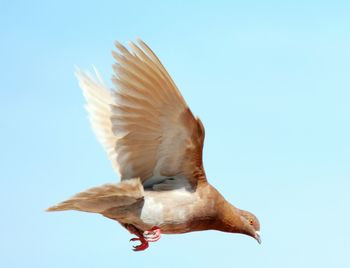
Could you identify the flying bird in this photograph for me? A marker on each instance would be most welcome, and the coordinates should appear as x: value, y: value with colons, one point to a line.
x: 155, y: 144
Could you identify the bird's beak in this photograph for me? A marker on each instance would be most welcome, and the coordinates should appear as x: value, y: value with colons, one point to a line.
x: 257, y: 237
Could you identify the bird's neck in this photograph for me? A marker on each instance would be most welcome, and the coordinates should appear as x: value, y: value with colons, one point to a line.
x: 228, y: 218
x: 216, y: 213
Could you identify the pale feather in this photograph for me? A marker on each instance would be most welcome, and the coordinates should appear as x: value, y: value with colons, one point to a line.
x: 144, y: 124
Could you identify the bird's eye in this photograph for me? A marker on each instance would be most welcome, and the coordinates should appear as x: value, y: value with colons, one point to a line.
x: 251, y: 221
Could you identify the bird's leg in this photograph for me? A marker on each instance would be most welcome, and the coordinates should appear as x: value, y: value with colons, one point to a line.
x: 151, y: 235
x: 133, y: 230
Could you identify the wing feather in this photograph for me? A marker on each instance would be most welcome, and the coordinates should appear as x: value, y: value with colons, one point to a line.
x: 144, y: 124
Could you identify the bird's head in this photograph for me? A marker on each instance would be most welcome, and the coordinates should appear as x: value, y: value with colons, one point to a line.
x: 234, y: 220
x: 251, y: 225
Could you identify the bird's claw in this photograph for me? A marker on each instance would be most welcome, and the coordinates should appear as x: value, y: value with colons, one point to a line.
x: 151, y: 235
x: 142, y: 246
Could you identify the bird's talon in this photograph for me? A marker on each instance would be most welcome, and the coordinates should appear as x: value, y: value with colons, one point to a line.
x: 140, y: 247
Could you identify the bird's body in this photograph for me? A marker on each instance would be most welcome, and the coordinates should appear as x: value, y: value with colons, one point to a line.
x: 155, y: 144
x: 176, y: 211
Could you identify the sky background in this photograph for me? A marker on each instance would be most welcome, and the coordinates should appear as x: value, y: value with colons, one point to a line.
x: 270, y: 81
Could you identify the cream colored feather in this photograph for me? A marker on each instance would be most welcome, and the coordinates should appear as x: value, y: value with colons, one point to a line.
x: 144, y: 125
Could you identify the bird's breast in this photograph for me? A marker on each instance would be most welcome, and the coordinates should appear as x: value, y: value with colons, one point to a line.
x: 170, y: 210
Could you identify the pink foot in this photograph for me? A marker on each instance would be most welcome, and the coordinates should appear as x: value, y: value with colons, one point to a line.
x: 152, y: 235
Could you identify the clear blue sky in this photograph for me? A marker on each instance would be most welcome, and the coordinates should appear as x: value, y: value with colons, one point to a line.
x: 270, y: 81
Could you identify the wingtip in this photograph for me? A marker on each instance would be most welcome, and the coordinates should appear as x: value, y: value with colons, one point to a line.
x: 139, y: 40
x: 117, y: 43
x: 115, y: 54
x: 120, y: 47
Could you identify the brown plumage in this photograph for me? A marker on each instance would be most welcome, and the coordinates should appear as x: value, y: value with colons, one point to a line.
x: 155, y: 143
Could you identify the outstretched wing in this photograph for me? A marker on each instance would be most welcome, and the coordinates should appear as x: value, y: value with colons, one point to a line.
x: 144, y: 124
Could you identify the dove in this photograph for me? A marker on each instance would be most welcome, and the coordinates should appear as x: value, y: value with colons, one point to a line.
x: 155, y: 144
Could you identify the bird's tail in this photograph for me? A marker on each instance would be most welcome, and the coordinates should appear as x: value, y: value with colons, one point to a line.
x: 102, y: 198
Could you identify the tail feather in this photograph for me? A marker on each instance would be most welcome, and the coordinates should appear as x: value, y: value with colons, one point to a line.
x: 102, y: 198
